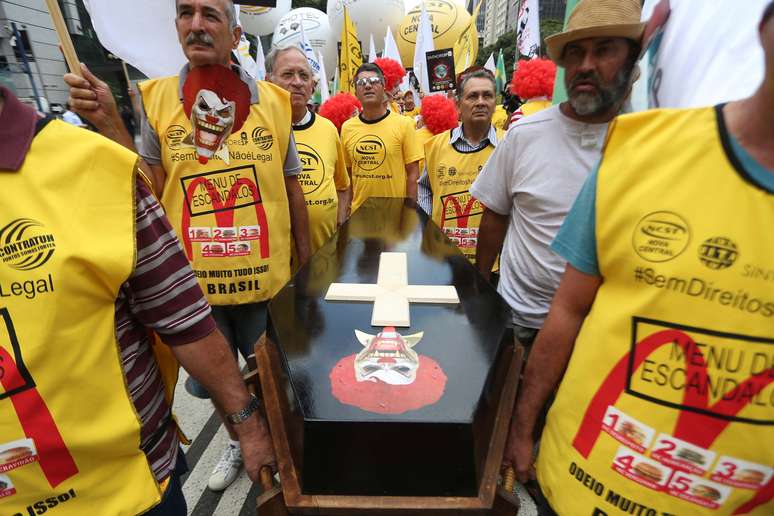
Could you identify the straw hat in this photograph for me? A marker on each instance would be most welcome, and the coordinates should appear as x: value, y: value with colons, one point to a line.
x: 598, y: 19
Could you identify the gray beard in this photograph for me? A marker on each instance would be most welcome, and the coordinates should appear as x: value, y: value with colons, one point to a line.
x: 589, y: 104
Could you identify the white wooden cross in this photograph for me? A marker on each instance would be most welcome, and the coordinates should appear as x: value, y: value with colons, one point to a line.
x: 392, y: 294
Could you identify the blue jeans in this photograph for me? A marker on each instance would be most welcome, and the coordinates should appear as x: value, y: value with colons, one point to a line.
x: 241, y: 325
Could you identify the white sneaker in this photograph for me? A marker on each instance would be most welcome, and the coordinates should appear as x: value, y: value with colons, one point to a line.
x: 227, y: 469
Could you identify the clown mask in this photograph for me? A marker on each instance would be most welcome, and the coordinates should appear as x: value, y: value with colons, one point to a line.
x: 217, y: 102
x: 388, y: 357
x: 212, y: 120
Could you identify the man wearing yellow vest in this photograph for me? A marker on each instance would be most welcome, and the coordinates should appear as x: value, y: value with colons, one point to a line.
x: 532, y: 178
x: 235, y: 213
x: 85, y: 395
x: 660, y: 335
x: 453, y: 160
x: 324, y: 177
x: 379, y: 145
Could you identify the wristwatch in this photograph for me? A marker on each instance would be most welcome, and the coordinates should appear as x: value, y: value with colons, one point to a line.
x: 242, y: 415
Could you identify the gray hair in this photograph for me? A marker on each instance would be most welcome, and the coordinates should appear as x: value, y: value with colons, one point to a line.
x: 230, y: 14
x: 278, y: 50
x: 480, y: 73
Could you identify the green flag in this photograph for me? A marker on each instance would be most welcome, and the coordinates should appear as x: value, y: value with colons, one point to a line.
x: 335, y: 87
x: 560, y: 94
x: 500, y: 77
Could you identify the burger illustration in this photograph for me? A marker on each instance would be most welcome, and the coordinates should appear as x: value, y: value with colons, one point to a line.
x: 631, y: 432
x: 3, y: 485
x: 201, y: 233
x: 750, y: 476
x: 253, y: 232
x: 15, y: 454
x: 706, y: 492
x: 648, y: 471
x: 691, y: 456
x: 229, y: 233
x: 243, y: 248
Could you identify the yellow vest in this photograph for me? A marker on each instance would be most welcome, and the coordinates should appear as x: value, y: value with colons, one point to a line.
x: 451, y: 173
x: 378, y: 152
x: 500, y: 118
x: 422, y: 135
x: 68, y: 244
x: 533, y: 106
x: 324, y: 172
x: 233, y: 220
x: 668, y: 398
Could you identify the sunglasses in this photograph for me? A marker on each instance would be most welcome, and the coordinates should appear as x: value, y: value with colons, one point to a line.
x: 373, y: 81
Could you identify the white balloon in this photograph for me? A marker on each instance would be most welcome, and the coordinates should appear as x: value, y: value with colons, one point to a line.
x: 260, y: 21
x: 371, y: 17
x: 316, y: 28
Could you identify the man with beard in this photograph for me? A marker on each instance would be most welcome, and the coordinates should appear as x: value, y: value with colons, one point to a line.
x: 534, y: 175
x: 248, y: 197
x: 379, y: 144
x: 677, y: 194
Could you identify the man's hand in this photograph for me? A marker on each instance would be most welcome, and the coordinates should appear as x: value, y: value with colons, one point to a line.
x: 92, y: 99
x: 519, y: 453
x: 257, y: 449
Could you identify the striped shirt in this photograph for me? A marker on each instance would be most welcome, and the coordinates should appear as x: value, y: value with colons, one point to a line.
x: 161, y: 295
x: 460, y: 144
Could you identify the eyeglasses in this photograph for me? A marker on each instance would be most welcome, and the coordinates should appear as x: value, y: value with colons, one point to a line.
x: 373, y: 81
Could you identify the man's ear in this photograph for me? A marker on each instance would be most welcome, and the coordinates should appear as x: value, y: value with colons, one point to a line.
x: 237, y: 36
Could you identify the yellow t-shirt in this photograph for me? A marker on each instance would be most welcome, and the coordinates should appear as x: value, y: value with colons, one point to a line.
x: 411, y: 114
x: 377, y: 152
x: 323, y: 174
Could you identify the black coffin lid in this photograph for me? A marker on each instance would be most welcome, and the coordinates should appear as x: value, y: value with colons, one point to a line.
x: 436, y: 450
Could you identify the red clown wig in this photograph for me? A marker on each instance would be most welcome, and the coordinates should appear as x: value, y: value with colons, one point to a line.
x: 439, y: 113
x: 340, y: 108
x: 534, y: 78
x: 392, y: 70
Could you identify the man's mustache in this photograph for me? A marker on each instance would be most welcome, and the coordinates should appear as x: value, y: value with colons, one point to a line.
x: 591, y: 77
x: 199, y: 38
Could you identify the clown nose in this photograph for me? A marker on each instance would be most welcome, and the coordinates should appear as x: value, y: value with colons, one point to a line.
x: 203, y: 160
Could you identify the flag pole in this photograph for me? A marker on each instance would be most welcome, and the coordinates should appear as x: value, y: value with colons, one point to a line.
x: 64, y: 37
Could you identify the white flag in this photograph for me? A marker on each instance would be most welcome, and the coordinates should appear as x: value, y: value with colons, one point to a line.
x: 490, y: 64
x: 118, y: 24
x: 528, y: 29
x: 372, y: 51
x: 709, y: 53
x: 246, y: 61
x: 306, y: 47
x: 323, y: 84
x: 390, y: 47
x: 423, y: 46
x: 391, y: 51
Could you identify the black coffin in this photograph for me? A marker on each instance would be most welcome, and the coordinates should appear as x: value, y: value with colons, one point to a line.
x: 355, y: 436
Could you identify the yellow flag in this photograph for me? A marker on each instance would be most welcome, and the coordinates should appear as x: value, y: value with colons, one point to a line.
x: 351, y: 57
x: 466, y: 46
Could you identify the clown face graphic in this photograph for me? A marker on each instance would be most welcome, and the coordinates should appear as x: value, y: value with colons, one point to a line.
x: 387, y: 356
x: 212, y: 120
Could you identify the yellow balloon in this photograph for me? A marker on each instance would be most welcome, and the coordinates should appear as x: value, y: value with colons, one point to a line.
x: 447, y: 18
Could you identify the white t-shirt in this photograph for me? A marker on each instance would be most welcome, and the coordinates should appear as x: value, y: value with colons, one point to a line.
x: 71, y: 118
x: 534, y: 175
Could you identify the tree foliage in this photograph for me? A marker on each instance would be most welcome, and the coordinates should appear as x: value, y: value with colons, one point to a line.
x: 507, y: 42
